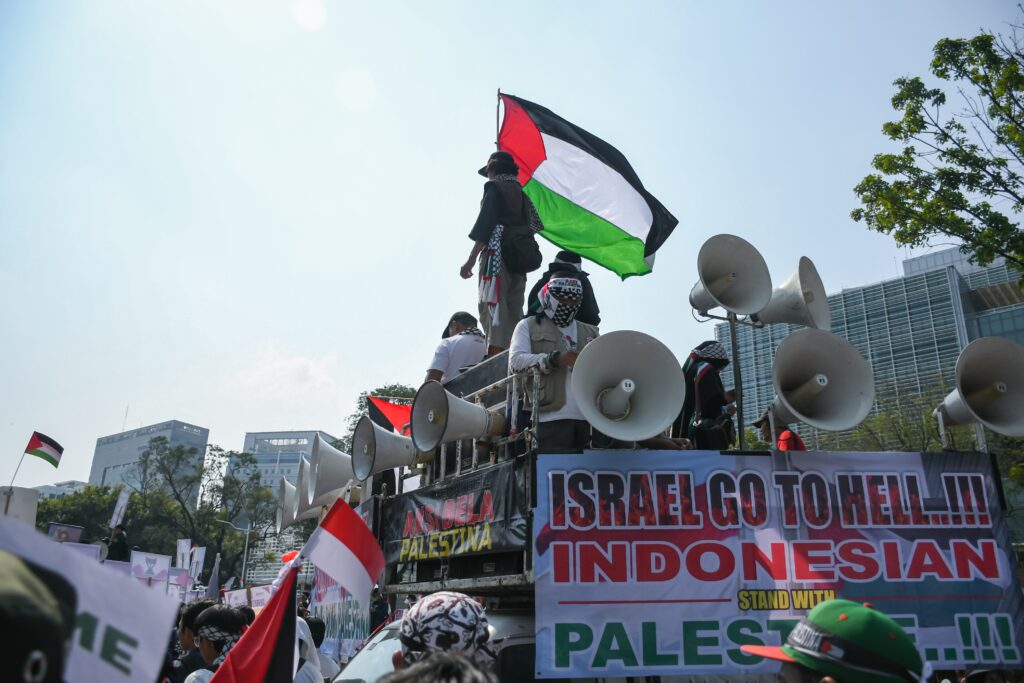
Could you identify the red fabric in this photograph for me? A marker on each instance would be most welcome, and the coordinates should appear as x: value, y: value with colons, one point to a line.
x: 347, y: 526
x: 790, y: 441
x: 520, y: 137
x: 397, y: 414
x: 266, y: 651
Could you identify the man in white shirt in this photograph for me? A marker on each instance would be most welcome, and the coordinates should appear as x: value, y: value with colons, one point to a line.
x: 462, y: 344
x: 551, y: 340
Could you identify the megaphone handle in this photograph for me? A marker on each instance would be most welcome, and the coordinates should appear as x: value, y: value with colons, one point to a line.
x: 737, y: 381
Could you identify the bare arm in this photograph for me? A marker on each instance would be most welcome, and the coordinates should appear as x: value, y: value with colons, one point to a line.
x: 467, y: 268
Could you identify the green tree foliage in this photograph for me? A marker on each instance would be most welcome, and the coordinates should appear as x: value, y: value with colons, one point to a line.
x: 176, y: 494
x: 388, y: 392
x: 960, y: 172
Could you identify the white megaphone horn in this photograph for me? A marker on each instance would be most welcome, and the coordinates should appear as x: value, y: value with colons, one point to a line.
x: 375, y: 449
x: 628, y: 385
x: 285, y: 505
x: 989, y: 387
x: 438, y: 416
x: 733, y: 275
x: 801, y: 300
x: 303, y: 507
x: 331, y: 476
x: 822, y: 380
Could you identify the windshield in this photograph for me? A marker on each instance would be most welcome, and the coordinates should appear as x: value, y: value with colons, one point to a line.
x: 374, y: 660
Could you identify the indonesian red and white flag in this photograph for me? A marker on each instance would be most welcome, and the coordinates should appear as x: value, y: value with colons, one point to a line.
x: 344, y: 548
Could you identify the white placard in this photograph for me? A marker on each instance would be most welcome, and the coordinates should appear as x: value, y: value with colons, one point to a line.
x: 122, y: 626
x: 184, y: 549
x: 151, y: 569
x: 117, y: 516
x: 198, y: 558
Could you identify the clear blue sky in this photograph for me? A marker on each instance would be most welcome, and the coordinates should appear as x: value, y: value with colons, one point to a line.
x: 241, y: 214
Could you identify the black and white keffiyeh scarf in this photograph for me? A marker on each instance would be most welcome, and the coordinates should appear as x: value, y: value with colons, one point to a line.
x: 476, y: 331
x: 560, y: 299
x: 219, y: 636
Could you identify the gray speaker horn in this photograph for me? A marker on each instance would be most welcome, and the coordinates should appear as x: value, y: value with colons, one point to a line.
x: 733, y: 276
x: 822, y: 380
x: 801, y: 300
x: 332, y: 473
x: 989, y: 387
x: 375, y: 449
x: 286, y: 502
x: 438, y: 416
x: 628, y: 385
x: 303, y: 507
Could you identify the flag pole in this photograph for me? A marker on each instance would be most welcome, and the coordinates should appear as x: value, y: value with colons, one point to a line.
x: 497, y: 120
x: 16, y: 470
x: 9, y: 493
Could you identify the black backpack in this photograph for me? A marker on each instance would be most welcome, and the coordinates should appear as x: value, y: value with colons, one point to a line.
x: 519, y: 249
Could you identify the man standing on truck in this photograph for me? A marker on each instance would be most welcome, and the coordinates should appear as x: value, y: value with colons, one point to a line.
x: 501, y: 290
x: 551, y: 340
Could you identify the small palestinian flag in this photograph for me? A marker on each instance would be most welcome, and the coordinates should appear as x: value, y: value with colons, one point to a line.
x: 42, y: 446
x: 586, y: 193
x: 390, y: 415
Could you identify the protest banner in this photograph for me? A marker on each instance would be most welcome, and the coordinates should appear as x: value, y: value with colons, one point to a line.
x: 236, y: 598
x: 151, y: 569
x: 657, y: 564
x: 481, y: 512
x: 117, y: 516
x: 348, y: 621
x: 111, y: 642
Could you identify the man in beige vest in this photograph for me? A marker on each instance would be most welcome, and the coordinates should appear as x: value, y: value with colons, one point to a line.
x: 551, y: 340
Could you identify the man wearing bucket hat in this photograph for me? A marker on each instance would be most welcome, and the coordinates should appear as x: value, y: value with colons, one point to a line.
x: 501, y: 290
x: 462, y: 345
x: 840, y: 641
x: 788, y: 440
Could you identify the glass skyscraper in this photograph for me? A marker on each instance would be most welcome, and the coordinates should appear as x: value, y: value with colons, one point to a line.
x: 910, y: 329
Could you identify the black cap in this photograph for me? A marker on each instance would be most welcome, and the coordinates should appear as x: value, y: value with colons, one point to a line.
x: 461, y: 317
x: 501, y: 162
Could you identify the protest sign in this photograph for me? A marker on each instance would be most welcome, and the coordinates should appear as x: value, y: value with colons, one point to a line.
x: 122, y: 628
x: 236, y: 598
x: 657, y: 564
x: 63, y: 533
x: 348, y: 621
x: 198, y: 558
x: 117, y: 516
x: 183, y: 550
x: 151, y: 569
x: 178, y: 583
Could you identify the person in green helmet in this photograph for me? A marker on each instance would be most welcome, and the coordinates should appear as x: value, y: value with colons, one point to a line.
x: 840, y: 641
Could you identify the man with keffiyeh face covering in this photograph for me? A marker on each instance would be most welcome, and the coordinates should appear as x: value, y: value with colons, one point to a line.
x: 500, y: 290
x: 551, y: 340
x: 217, y: 630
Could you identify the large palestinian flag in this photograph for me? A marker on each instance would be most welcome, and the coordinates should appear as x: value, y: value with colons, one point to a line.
x: 588, y: 196
x: 42, y: 446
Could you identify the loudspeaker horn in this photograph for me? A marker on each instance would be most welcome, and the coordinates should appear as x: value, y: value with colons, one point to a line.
x: 822, y: 380
x: 303, y: 506
x: 989, y: 387
x: 285, y: 505
x: 628, y: 385
x: 801, y: 300
x: 438, y: 416
x: 331, y: 473
x: 732, y: 275
x: 375, y: 449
